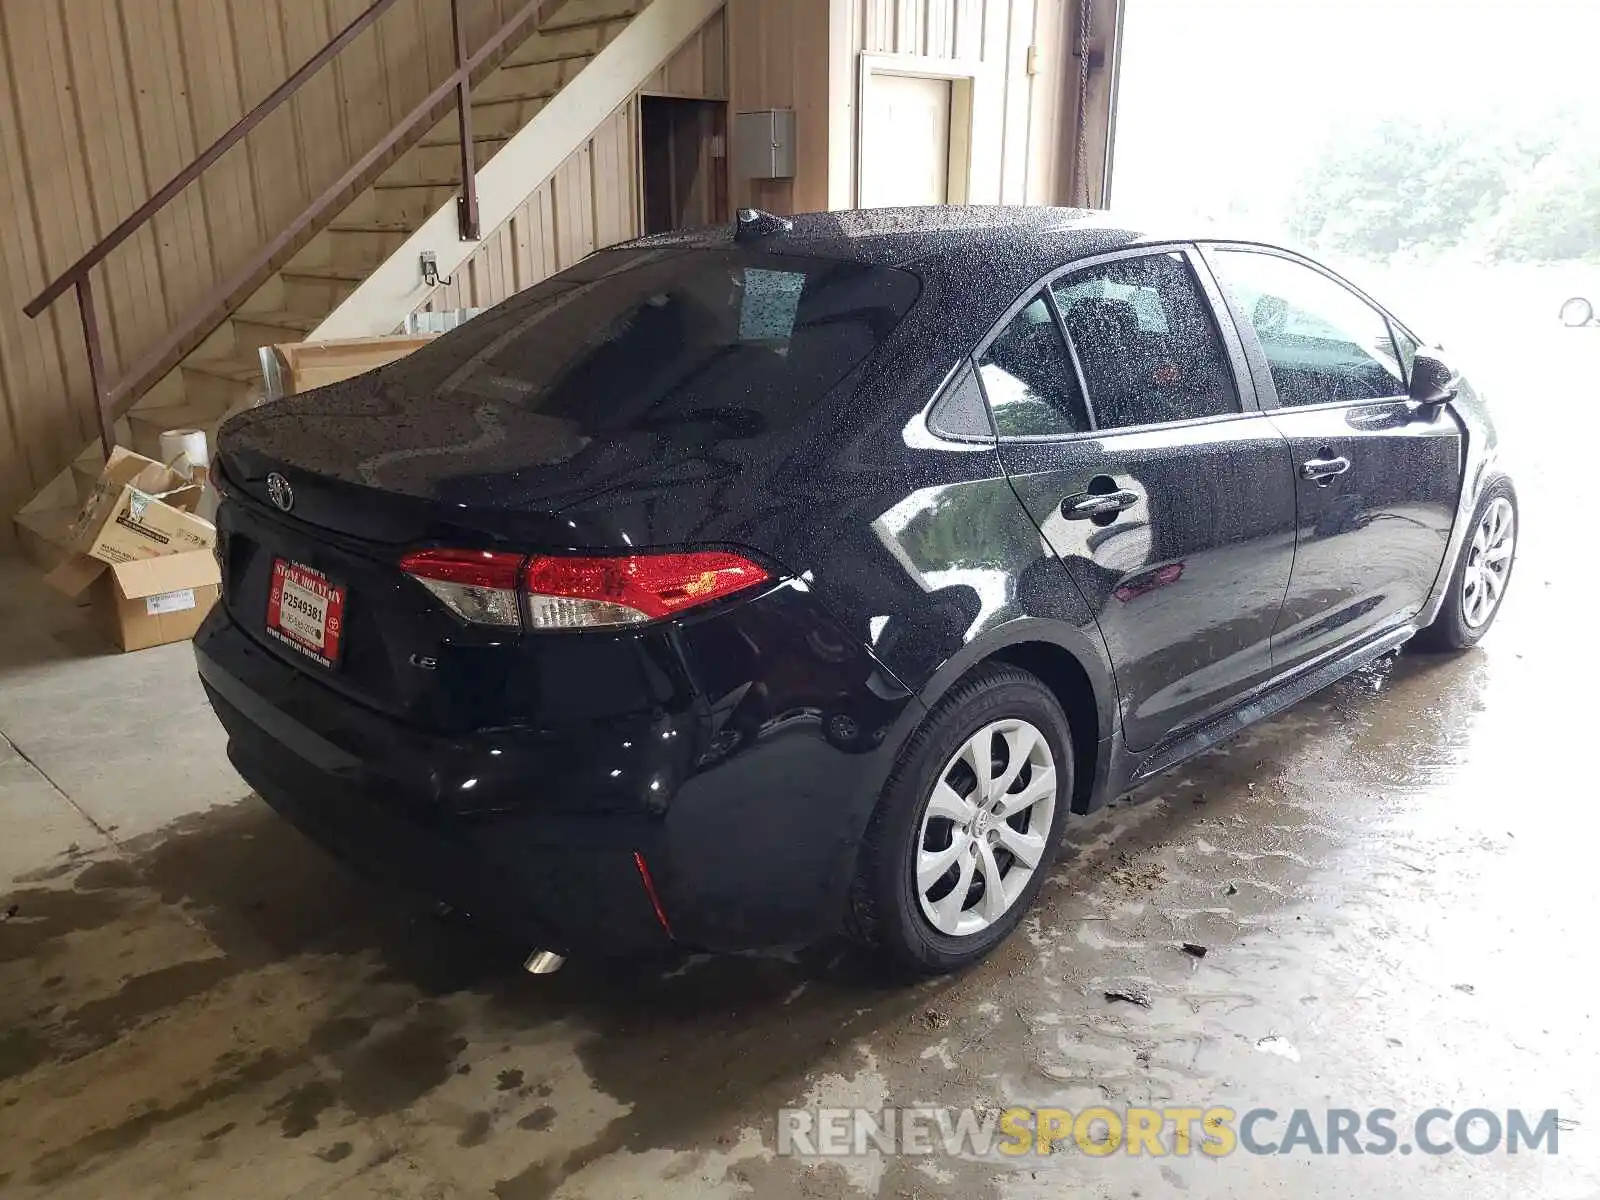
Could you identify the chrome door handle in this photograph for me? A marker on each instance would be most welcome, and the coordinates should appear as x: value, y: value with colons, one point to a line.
x: 1323, y: 470
x: 1086, y: 506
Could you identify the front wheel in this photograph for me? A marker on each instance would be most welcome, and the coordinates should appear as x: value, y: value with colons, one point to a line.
x: 1482, y: 574
x: 968, y: 825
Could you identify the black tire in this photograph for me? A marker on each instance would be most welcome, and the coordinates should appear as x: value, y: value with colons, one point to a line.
x: 1450, y: 631
x: 885, y: 911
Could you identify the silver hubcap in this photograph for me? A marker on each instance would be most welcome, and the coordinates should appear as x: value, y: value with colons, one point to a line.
x: 1488, y: 563
x: 983, y: 832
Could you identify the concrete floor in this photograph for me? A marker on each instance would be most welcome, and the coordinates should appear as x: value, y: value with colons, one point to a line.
x: 1395, y: 881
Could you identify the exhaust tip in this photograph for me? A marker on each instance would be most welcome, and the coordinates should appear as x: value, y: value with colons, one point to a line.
x: 544, y: 962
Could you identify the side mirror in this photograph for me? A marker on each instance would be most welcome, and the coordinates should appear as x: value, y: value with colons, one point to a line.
x: 1433, y: 381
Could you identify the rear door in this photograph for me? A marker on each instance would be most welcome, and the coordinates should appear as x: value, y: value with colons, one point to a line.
x: 1136, y: 447
x: 1377, y: 477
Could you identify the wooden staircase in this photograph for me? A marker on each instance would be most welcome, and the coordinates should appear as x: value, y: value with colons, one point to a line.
x: 223, y: 374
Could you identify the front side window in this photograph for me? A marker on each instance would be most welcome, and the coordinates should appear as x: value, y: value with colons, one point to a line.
x: 1028, y: 378
x: 1147, y: 342
x: 1323, y: 342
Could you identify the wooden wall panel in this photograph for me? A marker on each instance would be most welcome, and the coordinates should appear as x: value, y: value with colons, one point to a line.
x: 698, y: 69
x: 103, y: 101
x: 778, y: 52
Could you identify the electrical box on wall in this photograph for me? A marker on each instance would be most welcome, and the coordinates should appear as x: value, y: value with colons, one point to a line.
x: 764, y: 144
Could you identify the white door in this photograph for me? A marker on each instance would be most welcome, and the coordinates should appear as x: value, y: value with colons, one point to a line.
x: 906, y: 157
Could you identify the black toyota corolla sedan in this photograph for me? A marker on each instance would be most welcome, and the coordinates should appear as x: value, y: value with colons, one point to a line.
x: 735, y: 587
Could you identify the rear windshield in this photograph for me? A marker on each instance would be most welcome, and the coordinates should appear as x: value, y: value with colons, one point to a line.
x: 639, y: 338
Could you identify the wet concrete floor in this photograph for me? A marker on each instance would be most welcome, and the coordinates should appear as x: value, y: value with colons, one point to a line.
x: 1396, y: 884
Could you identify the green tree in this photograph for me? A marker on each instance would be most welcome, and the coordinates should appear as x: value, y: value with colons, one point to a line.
x: 1398, y: 186
x: 1553, y: 212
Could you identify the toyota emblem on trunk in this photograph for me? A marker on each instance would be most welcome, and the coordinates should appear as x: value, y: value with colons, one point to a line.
x: 279, y: 492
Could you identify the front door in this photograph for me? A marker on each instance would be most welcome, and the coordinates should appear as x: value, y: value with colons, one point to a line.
x: 1377, y: 476
x: 1169, y: 499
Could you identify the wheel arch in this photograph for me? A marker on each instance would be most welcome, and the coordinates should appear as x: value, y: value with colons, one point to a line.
x: 1075, y: 671
x: 1058, y: 670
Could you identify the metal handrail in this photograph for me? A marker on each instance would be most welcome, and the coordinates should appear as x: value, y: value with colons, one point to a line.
x: 108, y: 398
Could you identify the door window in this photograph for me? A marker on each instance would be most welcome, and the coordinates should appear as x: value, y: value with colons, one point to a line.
x: 1323, y: 342
x: 1147, y: 341
x: 1029, y: 380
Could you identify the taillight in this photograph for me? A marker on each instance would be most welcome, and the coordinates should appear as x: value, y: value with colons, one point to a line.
x: 566, y: 592
x: 578, y: 592
x: 477, y: 585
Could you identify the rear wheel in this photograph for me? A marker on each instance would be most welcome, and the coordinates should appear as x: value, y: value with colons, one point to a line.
x: 968, y: 825
x: 1482, y: 574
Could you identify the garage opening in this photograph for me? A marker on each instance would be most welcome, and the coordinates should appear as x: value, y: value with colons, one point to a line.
x: 1396, y: 140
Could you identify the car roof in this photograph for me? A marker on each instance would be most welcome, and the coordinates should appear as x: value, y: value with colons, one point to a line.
x: 1005, y: 245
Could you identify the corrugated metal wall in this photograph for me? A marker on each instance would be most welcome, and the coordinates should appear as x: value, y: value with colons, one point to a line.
x: 592, y: 201
x: 103, y: 102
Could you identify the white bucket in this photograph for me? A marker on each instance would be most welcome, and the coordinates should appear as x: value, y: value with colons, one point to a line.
x: 190, y: 443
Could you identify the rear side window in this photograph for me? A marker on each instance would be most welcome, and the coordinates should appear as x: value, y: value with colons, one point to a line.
x: 1028, y: 377
x: 1147, y: 341
x: 1323, y: 342
x: 734, y: 342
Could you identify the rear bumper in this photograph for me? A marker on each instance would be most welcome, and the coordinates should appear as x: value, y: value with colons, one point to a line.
x: 370, y: 799
x: 747, y: 805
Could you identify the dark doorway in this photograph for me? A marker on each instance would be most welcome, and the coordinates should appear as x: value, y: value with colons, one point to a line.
x: 685, y: 177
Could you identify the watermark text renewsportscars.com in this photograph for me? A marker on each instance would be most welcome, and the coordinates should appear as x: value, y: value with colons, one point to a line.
x: 1171, y: 1130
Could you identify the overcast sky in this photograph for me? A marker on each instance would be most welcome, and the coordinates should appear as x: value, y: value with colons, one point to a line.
x: 1225, y: 98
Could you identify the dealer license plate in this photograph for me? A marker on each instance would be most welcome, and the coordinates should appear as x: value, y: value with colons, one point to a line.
x: 305, y: 611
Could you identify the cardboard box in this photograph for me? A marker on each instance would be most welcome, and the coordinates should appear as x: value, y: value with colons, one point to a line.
x: 140, y: 556
x: 147, y: 602
x: 140, y: 509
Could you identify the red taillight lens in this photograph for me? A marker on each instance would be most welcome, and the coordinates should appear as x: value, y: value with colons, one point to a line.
x: 578, y: 592
x: 570, y: 592
x: 477, y: 585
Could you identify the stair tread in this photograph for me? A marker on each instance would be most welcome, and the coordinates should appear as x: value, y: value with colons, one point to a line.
x: 559, y: 56
x: 280, y: 319
x: 240, y: 370
x: 476, y: 138
x: 514, y: 98
x: 388, y: 185
x: 191, y: 414
x: 334, y: 274
x: 587, y: 22
x: 371, y: 227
